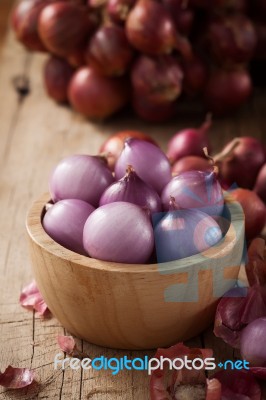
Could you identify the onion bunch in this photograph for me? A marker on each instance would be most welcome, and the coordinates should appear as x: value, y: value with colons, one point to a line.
x: 149, y: 53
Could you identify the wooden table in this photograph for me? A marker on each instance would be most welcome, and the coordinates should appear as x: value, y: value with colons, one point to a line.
x: 5, y: 7
x: 34, y: 135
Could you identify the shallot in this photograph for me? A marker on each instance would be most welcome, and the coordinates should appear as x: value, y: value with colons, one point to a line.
x: 119, y: 232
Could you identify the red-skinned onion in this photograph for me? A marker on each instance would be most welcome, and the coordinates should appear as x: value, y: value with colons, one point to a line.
x: 151, y: 111
x: 238, y: 308
x: 191, y: 163
x: 195, y: 75
x: 118, y: 10
x: 109, y: 52
x: 80, y: 177
x: 57, y: 75
x: 256, y: 264
x: 77, y: 57
x: 184, y: 233
x: 133, y: 190
x: 189, y: 142
x: 149, y: 162
x: 226, y: 91
x: 159, y: 80
x: 182, y: 14
x: 129, y: 228
x: 64, y: 222
x: 150, y: 29
x: 232, y: 38
x: 114, y: 145
x: 25, y: 23
x: 252, y: 346
x: 63, y: 27
x: 238, y: 385
x: 195, y: 189
x: 242, y: 166
x: 260, y: 186
x: 97, y: 96
x: 254, y: 210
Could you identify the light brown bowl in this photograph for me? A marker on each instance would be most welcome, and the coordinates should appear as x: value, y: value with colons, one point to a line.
x: 133, y: 306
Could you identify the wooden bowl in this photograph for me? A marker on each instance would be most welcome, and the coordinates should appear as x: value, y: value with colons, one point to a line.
x: 129, y: 306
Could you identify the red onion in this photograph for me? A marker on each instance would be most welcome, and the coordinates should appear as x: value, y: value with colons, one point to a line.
x: 237, y: 385
x: 232, y: 38
x: 256, y: 265
x: 252, y: 341
x: 254, y: 210
x: 183, y: 15
x: 159, y: 80
x: 227, y: 90
x: 238, y: 308
x: 118, y: 9
x: 25, y: 23
x: 195, y: 189
x: 64, y: 222
x: 189, y: 142
x: 151, y: 111
x: 97, y: 96
x: 80, y: 177
x: 109, y: 52
x: 133, y: 190
x: 242, y: 166
x: 128, y: 226
x: 63, y: 26
x: 57, y: 75
x: 260, y: 186
x: 241, y: 306
x: 191, y: 163
x: 184, y: 233
x: 114, y: 145
x: 195, y: 75
x: 77, y: 57
x: 150, y: 29
x: 149, y: 162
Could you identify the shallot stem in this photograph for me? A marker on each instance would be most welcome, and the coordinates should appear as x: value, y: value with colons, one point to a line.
x: 215, y: 168
x: 225, y: 154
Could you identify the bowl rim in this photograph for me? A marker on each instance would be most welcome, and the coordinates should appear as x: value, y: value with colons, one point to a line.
x: 38, y: 235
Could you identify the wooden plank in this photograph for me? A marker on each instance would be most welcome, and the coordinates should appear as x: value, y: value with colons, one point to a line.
x: 5, y: 8
x: 34, y: 135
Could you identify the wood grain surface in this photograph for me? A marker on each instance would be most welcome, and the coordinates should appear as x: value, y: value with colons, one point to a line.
x: 5, y: 8
x: 34, y: 135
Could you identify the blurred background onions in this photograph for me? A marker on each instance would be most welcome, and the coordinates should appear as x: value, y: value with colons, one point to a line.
x: 167, y: 51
